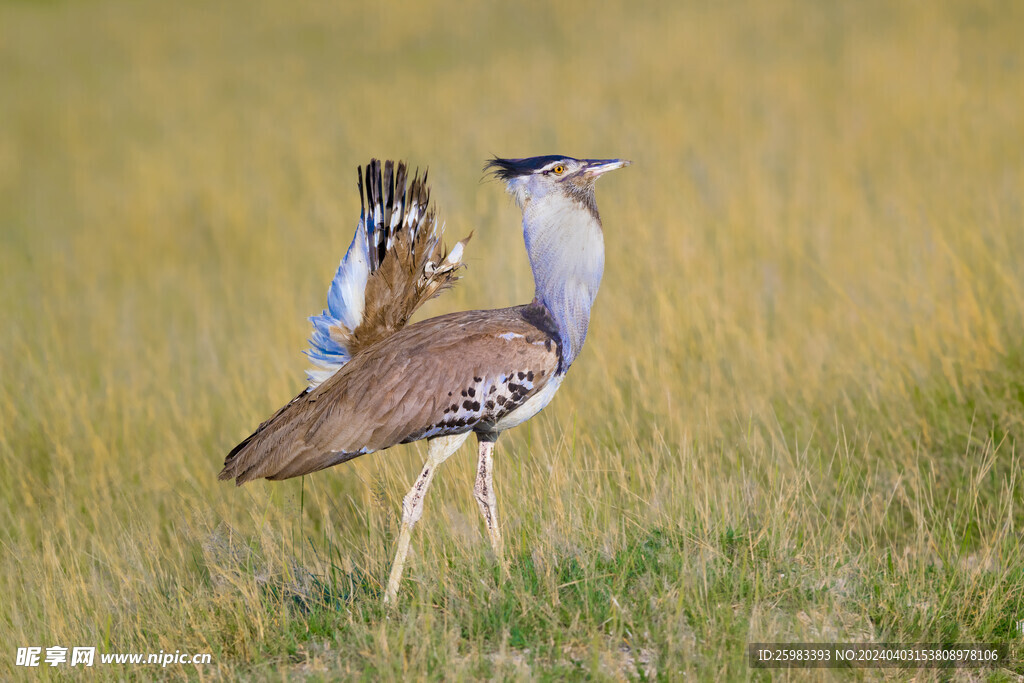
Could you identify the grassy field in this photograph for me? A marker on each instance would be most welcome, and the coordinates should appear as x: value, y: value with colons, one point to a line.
x: 799, y: 415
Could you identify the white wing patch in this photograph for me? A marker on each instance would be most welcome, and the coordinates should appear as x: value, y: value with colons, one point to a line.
x: 349, y: 286
x: 346, y: 300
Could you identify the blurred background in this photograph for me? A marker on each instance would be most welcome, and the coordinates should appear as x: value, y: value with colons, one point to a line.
x: 808, y: 337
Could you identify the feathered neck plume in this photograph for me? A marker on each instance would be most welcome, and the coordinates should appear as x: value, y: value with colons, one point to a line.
x: 566, y: 249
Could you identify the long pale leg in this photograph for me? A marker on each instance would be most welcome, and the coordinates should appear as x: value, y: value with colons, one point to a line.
x: 438, y: 450
x: 484, y: 493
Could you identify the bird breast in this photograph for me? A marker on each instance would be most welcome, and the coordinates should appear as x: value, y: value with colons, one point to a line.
x: 531, y: 406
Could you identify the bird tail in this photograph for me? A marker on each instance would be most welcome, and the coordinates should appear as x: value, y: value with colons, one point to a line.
x: 395, y: 264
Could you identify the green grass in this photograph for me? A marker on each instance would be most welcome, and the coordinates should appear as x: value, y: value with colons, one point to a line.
x: 798, y: 416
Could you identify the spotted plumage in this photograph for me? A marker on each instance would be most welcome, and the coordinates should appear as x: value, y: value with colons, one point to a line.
x: 388, y: 393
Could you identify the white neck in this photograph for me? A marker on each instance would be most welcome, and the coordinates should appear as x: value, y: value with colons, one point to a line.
x: 566, y: 249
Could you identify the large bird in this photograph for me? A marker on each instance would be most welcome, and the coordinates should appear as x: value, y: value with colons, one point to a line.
x: 377, y: 382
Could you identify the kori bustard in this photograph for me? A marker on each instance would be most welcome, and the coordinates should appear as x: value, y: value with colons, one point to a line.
x: 377, y: 382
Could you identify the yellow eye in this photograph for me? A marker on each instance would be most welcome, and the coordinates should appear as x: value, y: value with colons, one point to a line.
x: 558, y: 170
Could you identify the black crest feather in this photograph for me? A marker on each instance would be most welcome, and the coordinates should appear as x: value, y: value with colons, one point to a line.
x: 506, y: 169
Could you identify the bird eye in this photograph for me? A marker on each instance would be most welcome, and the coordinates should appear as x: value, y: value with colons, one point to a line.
x: 558, y: 170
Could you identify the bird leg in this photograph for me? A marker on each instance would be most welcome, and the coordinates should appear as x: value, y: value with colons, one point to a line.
x: 438, y: 450
x: 484, y: 493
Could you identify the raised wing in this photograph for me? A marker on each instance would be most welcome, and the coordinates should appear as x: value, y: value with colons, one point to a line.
x: 394, y: 264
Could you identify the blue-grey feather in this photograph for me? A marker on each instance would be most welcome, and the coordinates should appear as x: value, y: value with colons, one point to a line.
x: 345, y: 301
x: 345, y: 296
x: 322, y: 347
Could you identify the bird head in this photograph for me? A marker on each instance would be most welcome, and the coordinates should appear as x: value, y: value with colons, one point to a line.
x: 537, y: 178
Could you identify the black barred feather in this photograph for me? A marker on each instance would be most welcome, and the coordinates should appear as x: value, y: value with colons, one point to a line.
x: 395, y: 264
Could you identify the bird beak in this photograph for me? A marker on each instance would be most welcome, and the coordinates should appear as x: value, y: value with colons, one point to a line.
x: 597, y: 167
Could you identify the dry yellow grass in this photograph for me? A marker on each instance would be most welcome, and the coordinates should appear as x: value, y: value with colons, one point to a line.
x: 798, y: 416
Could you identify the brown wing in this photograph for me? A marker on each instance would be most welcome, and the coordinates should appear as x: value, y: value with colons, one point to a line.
x: 447, y: 375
